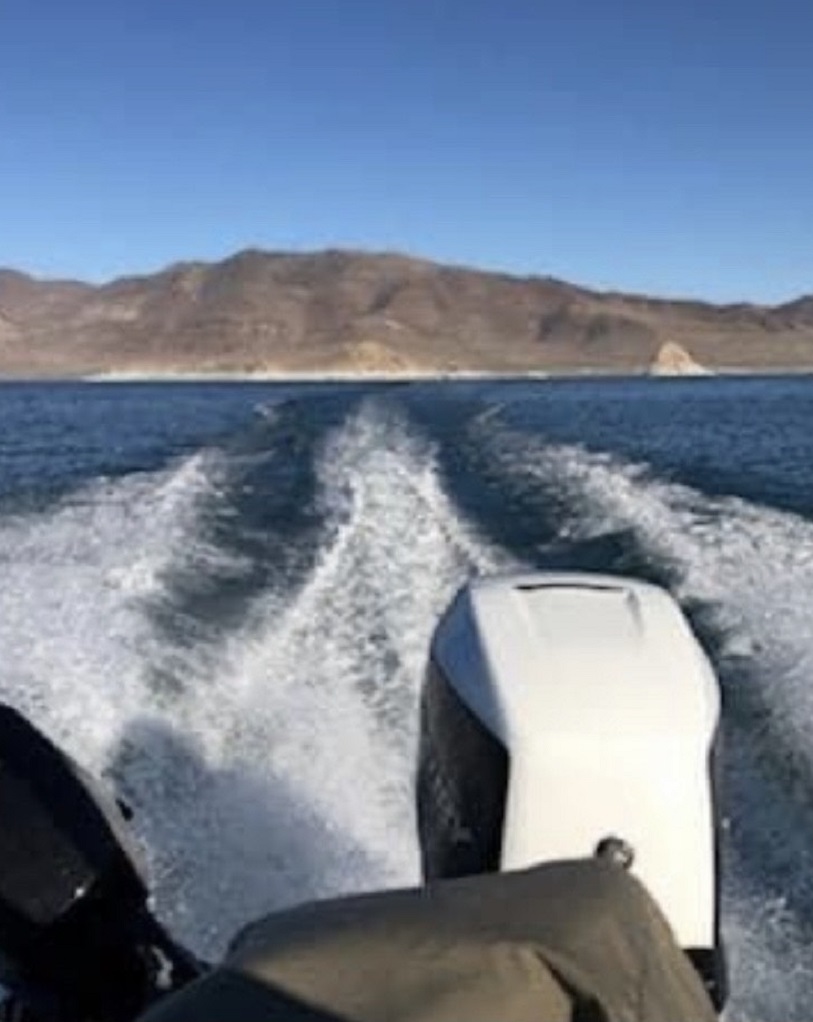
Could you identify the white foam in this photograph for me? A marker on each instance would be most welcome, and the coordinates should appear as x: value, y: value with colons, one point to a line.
x: 307, y: 724
x: 75, y: 579
x: 282, y: 767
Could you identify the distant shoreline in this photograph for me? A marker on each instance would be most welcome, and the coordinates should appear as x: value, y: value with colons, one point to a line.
x: 303, y: 377
x: 431, y: 376
x: 126, y: 376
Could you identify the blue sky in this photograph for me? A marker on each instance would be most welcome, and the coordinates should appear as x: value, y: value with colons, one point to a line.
x: 660, y: 146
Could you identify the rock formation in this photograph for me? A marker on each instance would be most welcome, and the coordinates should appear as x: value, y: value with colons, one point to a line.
x: 673, y: 360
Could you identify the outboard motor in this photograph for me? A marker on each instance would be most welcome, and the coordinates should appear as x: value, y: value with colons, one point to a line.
x: 569, y: 715
x: 77, y: 942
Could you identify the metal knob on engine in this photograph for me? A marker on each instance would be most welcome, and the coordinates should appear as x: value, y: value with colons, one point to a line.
x: 616, y: 851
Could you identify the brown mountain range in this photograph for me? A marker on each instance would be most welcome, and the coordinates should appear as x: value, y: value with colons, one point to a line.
x: 340, y: 311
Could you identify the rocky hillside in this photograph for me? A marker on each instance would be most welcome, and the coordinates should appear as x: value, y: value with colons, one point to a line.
x: 350, y: 312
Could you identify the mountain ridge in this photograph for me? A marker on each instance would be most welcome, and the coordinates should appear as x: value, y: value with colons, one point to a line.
x: 347, y: 311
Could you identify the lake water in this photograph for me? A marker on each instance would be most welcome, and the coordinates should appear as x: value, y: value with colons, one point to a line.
x: 219, y: 597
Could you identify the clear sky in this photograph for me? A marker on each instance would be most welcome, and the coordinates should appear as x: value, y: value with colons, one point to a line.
x: 651, y: 145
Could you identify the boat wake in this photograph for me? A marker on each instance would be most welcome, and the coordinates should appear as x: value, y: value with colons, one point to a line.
x: 276, y: 763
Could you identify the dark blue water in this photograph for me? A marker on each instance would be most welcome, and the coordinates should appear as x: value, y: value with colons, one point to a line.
x: 220, y: 597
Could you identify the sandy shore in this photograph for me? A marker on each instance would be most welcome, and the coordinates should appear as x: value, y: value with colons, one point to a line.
x: 277, y: 376
x: 127, y: 376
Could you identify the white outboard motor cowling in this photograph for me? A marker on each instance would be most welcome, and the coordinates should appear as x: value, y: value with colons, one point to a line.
x: 567, y: 715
